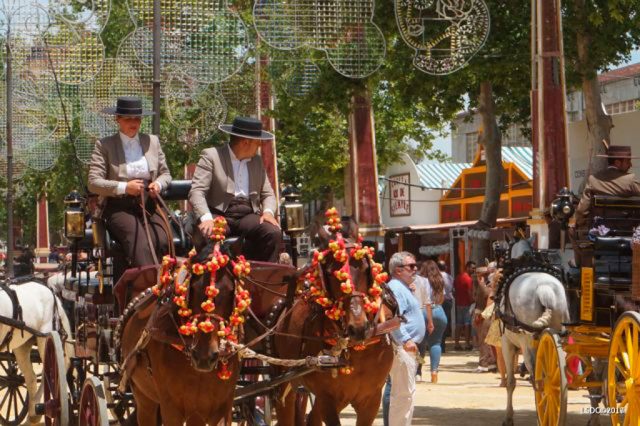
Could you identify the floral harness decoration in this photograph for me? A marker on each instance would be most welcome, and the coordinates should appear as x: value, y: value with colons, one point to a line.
x: 192, y: 324
x: 334, y: 309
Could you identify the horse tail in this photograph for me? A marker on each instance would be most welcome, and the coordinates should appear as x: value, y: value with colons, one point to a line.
x: 552, y: 299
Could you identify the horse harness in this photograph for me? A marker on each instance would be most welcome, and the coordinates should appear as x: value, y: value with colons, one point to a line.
x: 16, y: 321
x: 530, y: 262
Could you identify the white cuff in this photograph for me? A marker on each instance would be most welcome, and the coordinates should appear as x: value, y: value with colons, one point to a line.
x: 206, y: 216
x: 122, y: 188
x: 159, y: 185
x: 268, y: 211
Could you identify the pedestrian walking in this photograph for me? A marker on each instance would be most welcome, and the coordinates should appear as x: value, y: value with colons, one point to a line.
x: 463, y: 287
x: 406, y: 338
x: 447, y: 304
x: 436, y: 318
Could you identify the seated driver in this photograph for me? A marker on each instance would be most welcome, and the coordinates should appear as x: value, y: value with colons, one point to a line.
x: 122, y: 165
x: 614, y: 180
x: 231, y: 181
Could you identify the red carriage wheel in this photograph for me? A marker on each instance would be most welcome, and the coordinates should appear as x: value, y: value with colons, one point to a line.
x: 56, y: 398
x: 93, y: 404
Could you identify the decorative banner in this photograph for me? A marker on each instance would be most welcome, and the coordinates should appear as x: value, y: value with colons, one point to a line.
x: 445, y: 34
x: 207, y: 40
x: 343, y: 29
x: 400, y: 191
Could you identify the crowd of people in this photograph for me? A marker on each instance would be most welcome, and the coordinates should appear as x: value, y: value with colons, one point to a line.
x: 426, y: 292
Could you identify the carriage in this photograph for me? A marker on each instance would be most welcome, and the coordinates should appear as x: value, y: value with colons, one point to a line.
x: 599, y: 348
x: 90, y: 391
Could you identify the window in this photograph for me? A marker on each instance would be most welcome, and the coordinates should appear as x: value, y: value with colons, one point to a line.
x: 471, y: 142
x: 622, y: 107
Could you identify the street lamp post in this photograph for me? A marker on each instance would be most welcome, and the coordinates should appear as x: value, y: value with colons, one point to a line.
x: 157, y: 37
x: 9, y: 89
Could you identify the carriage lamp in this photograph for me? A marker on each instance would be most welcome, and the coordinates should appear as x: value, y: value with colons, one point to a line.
x: 74, y: 216
x: 293, y: 213
x: 562, y: 207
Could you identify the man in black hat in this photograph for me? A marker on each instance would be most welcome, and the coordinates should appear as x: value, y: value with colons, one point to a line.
x: 614, y: 180
x: 122, y: 166
x: 230, y: 181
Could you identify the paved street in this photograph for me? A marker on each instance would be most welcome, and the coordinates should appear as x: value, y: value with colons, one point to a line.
x: 464, y: 397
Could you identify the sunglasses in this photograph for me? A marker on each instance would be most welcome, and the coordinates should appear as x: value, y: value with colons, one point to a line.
x: 410, y: 266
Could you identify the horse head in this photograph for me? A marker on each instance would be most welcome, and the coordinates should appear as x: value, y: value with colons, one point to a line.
x: 204, y: 291
x: 345, y: 280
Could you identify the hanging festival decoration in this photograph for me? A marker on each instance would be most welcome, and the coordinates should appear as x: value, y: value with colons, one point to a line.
x: 445, y: 34
x: 343, y: 29
x: 295, y: 74
x: 195, y: 109
x: 55, y: 45
x: 208, y: 38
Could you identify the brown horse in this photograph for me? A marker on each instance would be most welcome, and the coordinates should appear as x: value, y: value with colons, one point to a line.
x: 369, y: 357
x: 176, y: 376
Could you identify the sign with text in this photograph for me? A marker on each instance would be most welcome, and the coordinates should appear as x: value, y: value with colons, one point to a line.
x: 400, y: 204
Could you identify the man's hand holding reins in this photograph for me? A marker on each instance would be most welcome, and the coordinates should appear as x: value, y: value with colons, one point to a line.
x: 154, y: 189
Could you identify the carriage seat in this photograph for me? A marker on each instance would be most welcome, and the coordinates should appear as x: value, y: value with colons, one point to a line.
x: 621, y: 214
x: 612, y: 262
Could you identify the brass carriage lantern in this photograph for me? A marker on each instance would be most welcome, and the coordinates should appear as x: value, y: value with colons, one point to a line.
x: 74, y: 216
x: 293, y: 214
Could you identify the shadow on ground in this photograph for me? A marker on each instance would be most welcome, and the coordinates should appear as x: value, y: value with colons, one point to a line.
x: 434, y: 416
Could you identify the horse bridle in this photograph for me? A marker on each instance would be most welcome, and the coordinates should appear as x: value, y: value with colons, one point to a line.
x: 354, y: 293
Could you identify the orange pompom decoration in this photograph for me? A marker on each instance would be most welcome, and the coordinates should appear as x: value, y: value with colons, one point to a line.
x: 184, y: 312
x: 208, y: 306
x: 359, y: 347
x: 180, y: 301
x: 206, y: 326
x: 345, y: 371
x: 224, y: 373
x: 198, y: 268
x: 211, y: 291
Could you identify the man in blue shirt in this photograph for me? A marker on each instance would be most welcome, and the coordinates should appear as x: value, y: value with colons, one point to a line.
x: 403, y: 268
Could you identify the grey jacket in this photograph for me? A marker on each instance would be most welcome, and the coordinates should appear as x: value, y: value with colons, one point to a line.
x: 109, y: 167
x: 213, y: 186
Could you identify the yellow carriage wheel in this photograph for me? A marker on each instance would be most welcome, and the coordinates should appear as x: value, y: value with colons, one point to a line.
x: 623, y: 373
x: 550, y: 381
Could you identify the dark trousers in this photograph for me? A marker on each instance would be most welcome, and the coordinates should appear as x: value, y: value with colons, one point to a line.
x: 261, y: 240
x: 123, y: 218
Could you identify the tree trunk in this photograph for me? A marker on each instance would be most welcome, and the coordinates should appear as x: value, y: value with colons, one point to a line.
x: 599, y: 124
x: 491, y: 140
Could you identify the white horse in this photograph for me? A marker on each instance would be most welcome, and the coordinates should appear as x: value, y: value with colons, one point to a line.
x: 43, y: 312
x: 538, y: 300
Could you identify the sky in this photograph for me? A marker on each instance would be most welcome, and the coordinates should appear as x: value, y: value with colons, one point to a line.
x: 444, y: 143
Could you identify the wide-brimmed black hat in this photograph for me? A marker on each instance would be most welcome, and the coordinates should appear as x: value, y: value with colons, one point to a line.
x: 128, y: 106
x: 246, y: 127
x: 618, y: 151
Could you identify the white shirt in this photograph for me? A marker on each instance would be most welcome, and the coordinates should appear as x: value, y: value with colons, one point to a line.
x: 137, y: 166
x: 240, y: 175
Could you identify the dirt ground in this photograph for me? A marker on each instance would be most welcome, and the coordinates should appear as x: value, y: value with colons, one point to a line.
x: 462, y: 397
